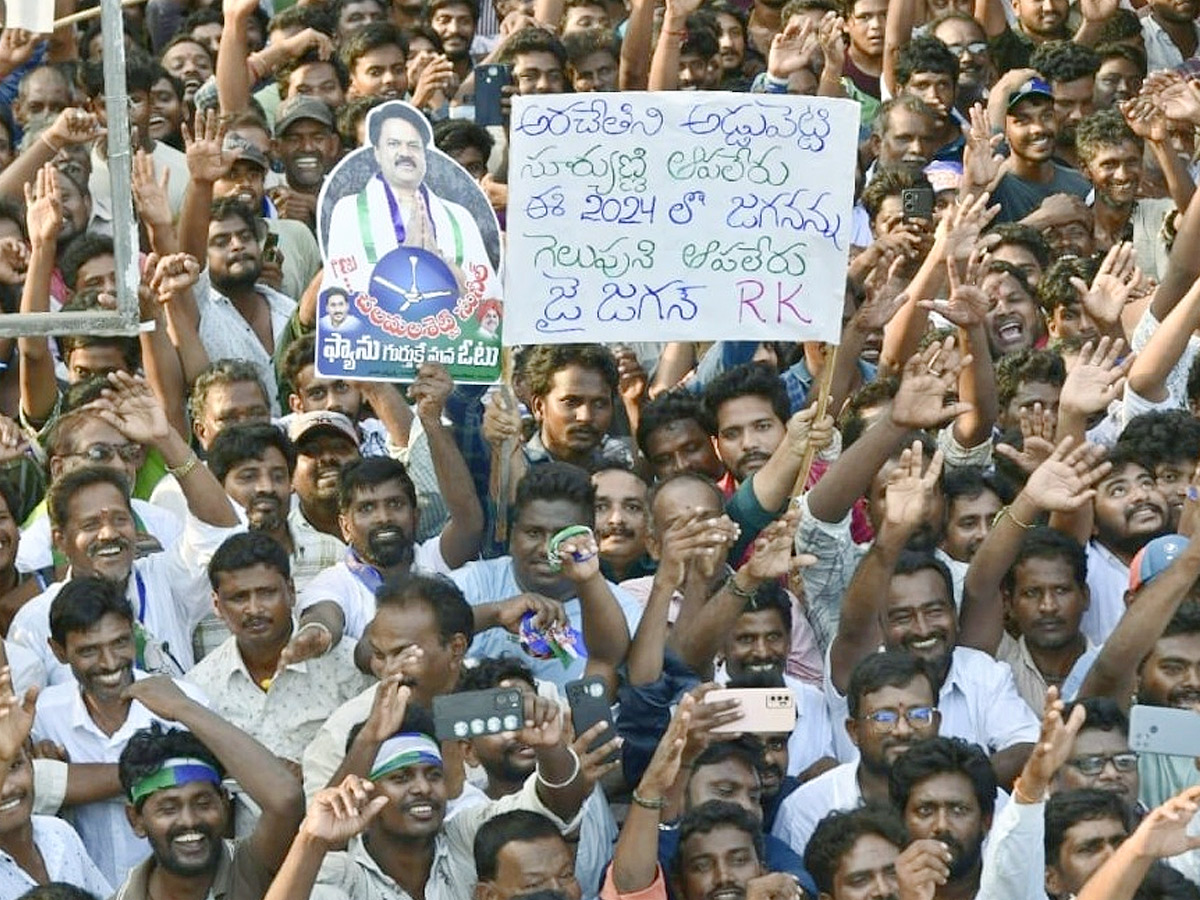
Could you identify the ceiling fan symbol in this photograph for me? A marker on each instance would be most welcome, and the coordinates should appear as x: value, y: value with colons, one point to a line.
x: 413, y: 293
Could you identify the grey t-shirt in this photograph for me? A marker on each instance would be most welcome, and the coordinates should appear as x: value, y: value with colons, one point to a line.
x: 1018, y: 197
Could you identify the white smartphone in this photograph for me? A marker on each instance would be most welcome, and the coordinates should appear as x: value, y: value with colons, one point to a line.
x: 1161, y: 729
x: 764, y: 710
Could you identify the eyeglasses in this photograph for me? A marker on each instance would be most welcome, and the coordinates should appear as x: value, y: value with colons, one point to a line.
x: 1094, y: 765
x: 974, y: 48
x: 885, y: 720
x: 104, y: 453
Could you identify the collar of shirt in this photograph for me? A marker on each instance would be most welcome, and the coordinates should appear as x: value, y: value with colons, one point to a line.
x: 137, y: 883
x: 440, y: 871
x: 229, y: 657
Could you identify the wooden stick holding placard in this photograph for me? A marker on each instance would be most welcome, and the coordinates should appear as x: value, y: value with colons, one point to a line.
x: 822, y: 406
x: 508, y: 448
x: 86, y: 14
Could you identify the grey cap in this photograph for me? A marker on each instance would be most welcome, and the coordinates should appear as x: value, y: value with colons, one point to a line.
x: 246, y: 150
x: 298, y: 107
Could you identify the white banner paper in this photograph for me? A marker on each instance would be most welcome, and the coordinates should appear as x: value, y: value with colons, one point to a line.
x: 678, y: 216
x: 32, y: 15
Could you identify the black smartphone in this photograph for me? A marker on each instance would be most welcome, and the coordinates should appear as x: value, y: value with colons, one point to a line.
x: 588, y: 699
x: 917, y: 203
x: 489, y: 82
x: 460, y: 717
x: 270, y: 246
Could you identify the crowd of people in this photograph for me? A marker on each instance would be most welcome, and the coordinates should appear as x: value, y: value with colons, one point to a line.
x: 238, y: 597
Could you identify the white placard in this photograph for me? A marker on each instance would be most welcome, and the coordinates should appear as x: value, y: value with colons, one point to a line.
x: 32, y: 15
x: 678, y: 216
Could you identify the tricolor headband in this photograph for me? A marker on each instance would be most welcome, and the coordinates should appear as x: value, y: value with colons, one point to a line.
x: 174, y: 773
x: 403, y: 750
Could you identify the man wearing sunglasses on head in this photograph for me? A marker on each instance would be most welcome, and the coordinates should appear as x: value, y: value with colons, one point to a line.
x: 92, y: 525
x: 81, y: 438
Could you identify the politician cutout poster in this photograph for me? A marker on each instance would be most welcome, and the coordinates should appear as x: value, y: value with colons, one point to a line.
x: 412, y: 255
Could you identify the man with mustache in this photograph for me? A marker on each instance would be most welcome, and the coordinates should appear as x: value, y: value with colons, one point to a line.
x: 401, y: 210
x: 378, y: 516
x: 281, y: 706
x: 945, y: 790
x: 904, y: 598
x: 1110, y: 155
x: 255, y: 463
x: 508, y: 762
x: 171, y: 782
x: 307, y: 144
x: 391, y: 428
x: 892, y: 705
x: 92, y: 525
x: 1037, y: 576
x: 401, y: 842
x: 622, y: 523
x: 90, y: 718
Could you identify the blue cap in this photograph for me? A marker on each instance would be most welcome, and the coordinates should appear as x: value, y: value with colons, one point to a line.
x: 1153, y: 559
x: 1033, y: 87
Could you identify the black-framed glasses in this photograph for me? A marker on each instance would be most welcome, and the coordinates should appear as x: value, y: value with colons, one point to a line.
x: 105, y: 453
x: 884, y: 720
x: 1095, y: 763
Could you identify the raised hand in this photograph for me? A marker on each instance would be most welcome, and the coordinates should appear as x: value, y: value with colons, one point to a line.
x: 1097, y: 377
x: 982, y: 162
x: 771, y: 556
x: 238, y: 9
x: 430, y: 390
x: 387, y: 709
x: 967, y: 306
x: 1164, y: 832
x: 705, y: 716
x: 909, y: 491
x: 805, y: 430
x: 207, y: 159
x: 921, y: 868
x: 500, y: 421
x: 129, y: 405
x: 160, y: 694
x: 309, y: 39
x: 1113, y: 285
x: 1054, y: 745
x: 667, y: 760
x: 1178, y: 97
x: 928, y: 377
x: 1037, y: 433
x: 594, y: 765
x: 73, y: 126
x: 961, y: 229
x: 1146, y: 118
x: 831, y: 35
x: 16, y: 717
x: 173, y: 275
x: 792, y: 49
x: 16, y: 48
x: 13, y: 445
x: 694, y: 540
x: 150, y: 193
x: 544, y: 725
x: 632, y: 378
x: 436, y: 81
x: 43, y: 207
x: 1098, y: 10
x: 580, y: 558
x: 338, y: 814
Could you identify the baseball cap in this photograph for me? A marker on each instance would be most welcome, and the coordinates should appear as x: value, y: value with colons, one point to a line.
x: 246, y: 150
x: 1153, y: 559
x: 304, y: 425
x: 298, y: 107
x: 1032, y: 87
x: 944, y: 175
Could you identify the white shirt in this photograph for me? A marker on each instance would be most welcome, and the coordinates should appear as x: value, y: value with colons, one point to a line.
x: 27, y: 668
x: 165, y: 157
x: 978, y: 702
x: 226, y: 334
x: 357, y: 601
x: 169, y: 591
x: 64, y: 856
x: 1015, y: 857
x: 804, y: 807
x: 63, y: 718
x: 492, y: 580
x: 1107, y: 581
x: 36, y: 548
x: 812, y: 738
x: 286, y: 716
x: 1161, y: 52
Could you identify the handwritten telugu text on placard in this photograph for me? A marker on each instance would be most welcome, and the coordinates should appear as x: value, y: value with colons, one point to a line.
x: 678, y: 216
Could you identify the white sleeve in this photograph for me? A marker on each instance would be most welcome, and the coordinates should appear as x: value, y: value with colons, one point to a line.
x: 1014, y: 861
x: 1008, y: 720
